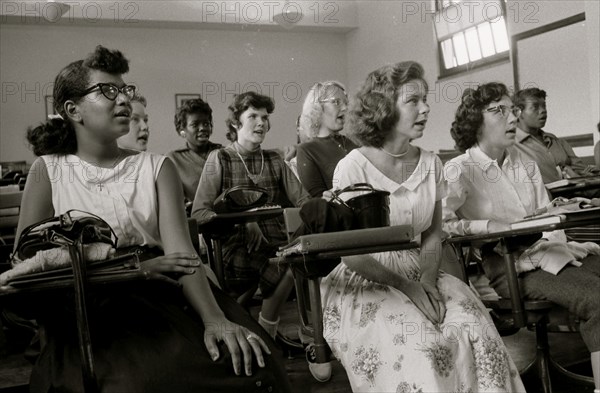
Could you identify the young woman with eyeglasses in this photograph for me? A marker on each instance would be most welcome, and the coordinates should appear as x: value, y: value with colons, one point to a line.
x: 145, y: 338
x: 491, y: 185
x: 322, y: 120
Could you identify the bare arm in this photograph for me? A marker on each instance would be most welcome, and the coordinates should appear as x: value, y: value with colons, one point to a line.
x: 176, y: 238
x: 368, y: 267
x: 431, y: 247
x: 36, y: 204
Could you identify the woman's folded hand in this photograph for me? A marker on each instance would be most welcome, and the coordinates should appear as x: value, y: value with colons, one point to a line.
x: 427, y: 299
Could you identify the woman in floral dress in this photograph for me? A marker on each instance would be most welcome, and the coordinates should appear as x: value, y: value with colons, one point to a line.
x: 393, y: 319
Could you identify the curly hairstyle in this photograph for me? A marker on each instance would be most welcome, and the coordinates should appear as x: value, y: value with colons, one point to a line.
x: 469, y: 115
x: 139, y: 98
x: 57, y: 135
x: 522, y: 95
x: 240, y: 104
x: 231, y: 135
x: 191, y: 107
x: 373, y: 112
x: 312, y: 109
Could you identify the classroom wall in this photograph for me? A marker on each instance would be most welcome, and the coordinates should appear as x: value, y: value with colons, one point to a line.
x: 218, y: 63
x: 163, y: 62
x: 392, y: 31
x: 592, y: 12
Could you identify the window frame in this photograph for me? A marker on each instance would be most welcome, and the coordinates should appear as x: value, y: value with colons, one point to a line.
x: 471, y: 65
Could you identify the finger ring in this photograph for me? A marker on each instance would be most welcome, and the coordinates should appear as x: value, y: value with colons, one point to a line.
x: 250, y: 336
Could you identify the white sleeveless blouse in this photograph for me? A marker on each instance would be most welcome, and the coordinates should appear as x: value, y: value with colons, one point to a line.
x: 124, y: 196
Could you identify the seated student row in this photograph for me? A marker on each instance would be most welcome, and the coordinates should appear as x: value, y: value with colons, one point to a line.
x: 385, y: 143
x: 465, y: 129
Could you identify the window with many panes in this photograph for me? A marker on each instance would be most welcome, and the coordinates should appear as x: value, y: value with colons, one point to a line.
x: 470, y: 33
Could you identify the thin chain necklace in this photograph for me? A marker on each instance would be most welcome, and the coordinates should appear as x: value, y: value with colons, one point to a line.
x: 99, y: 184
x: 399, y: 155
x: 253, y: 177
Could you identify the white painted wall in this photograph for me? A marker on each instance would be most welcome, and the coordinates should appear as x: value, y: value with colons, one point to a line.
x: 164, y: 62
x: 392, y: 31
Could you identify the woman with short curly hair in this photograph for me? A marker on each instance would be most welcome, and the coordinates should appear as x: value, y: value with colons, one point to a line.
x: 469, y: 115
x: 395, y: 321
x: 492, y: 185
x: 321, y: 122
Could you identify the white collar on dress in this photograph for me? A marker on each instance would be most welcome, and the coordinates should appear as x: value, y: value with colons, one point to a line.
x: 485, y: 162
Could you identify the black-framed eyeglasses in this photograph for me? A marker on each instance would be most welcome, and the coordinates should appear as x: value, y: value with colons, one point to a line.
x: 504, y: 110
x: 111, y: 91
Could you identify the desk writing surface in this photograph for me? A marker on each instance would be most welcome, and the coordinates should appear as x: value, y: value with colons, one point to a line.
x: 330, y: 241
x: 525, y: 231
x: 222, y: 220
x: 380, y: 244
x: 577, y: 184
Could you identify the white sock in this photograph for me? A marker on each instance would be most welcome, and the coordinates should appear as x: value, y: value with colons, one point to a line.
x: 269, y: 326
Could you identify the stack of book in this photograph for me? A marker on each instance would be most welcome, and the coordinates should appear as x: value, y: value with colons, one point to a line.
x: 573, y: 181
x: 576, y: 211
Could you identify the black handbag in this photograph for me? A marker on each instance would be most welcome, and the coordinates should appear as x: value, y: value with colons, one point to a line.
x: 371, y: 209
x: 74, y: 226
x: 240, y: 198
x: 72, y: 229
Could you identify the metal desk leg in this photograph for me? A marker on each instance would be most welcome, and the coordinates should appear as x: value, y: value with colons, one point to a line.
x: 321, y: 347
x: 218, y: 267
x: 518, y: 309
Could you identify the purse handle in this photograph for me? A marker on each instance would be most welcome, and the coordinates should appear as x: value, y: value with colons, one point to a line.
x: 351, y: 188
x: 65, y: 220
x: 247, y: 187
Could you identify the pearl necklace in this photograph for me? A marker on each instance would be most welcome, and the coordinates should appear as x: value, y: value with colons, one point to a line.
x: 399, y: 155
x: 253, y: 177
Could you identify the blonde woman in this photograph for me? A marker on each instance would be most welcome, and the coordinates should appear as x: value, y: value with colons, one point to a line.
x: 322, y: 120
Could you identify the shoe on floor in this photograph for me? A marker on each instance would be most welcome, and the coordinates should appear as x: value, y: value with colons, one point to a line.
x: 320, y: 371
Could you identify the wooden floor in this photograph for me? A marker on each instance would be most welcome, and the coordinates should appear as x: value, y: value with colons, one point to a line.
x: 567, y: 348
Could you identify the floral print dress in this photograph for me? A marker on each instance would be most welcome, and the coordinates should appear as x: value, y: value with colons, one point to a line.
x: 383, y: 340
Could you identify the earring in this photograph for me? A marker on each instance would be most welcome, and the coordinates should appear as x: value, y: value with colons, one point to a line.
x: 182, y: 133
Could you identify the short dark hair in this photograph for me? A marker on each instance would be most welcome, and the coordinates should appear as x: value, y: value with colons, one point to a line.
x: 373, y: 112
x: 469, y: 115
x: 522, y: 95
x: 57, y: 135
x: 231, y: 135
x: 241, y: 103
x: 191, y: 107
